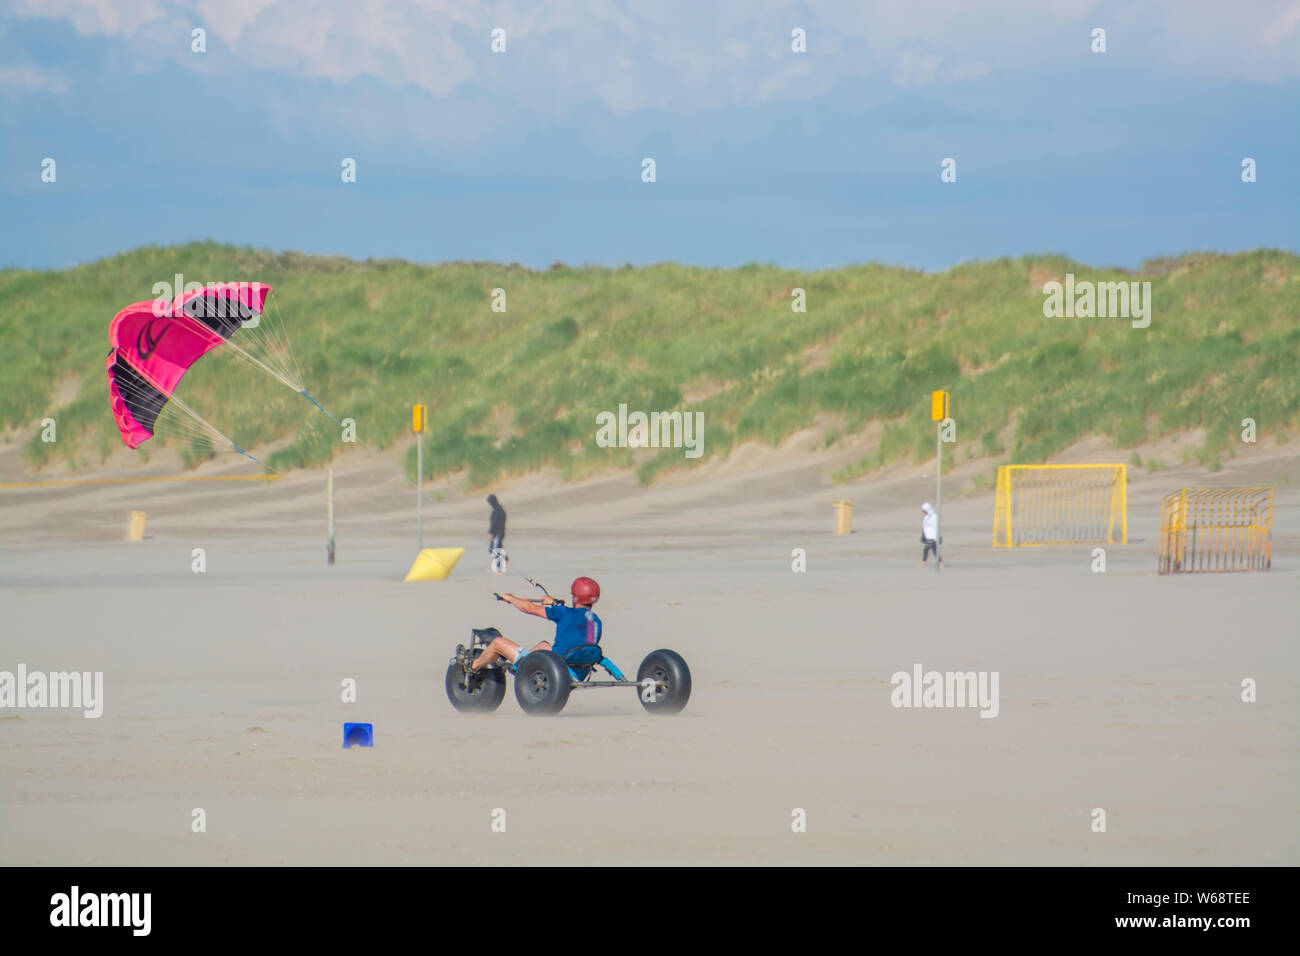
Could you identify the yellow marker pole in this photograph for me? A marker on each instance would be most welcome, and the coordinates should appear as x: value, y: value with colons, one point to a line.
x: 938, y: 412
x: 417, y: 426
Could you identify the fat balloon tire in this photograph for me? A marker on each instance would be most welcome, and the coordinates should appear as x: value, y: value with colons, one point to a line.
x: 672, y: 682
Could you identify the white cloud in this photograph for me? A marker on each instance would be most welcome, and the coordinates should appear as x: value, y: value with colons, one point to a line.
x: 31, y: 79
x: 688, y: 55
x: 94, y: 16
x: 1251, y: 39
x: 916, y: 67
x: 228, y: 18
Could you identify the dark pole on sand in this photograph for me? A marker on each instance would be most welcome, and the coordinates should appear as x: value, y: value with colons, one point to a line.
x: 329, y: 505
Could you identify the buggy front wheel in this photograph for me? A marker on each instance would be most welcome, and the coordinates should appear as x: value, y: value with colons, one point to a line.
x: 663, y: 682
x: 542, y: 683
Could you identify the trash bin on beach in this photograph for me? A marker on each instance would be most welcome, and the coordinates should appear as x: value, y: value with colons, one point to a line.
x: 843, y: 516
x: 135, y: 527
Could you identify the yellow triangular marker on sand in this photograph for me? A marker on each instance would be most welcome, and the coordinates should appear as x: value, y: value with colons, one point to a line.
x: 434, y: 564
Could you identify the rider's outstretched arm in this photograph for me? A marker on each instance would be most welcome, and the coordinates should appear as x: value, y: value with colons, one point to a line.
x: 525, y: 605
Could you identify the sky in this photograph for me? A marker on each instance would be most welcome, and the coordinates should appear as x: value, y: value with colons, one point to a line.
x: 534, y: 154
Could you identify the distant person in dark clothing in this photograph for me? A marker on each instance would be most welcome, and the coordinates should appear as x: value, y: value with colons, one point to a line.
x: 496, y: 525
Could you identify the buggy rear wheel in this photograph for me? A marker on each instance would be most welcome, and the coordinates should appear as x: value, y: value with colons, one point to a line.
x: 480, y: 693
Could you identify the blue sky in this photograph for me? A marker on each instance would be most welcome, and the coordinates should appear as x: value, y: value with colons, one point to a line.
x: 809, y: 160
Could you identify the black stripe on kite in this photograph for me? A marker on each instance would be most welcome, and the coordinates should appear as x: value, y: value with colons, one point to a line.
x: 223, y: 314
x: 142, y: 400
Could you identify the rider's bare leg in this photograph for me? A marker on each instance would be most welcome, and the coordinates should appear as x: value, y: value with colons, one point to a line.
x: 500, y: 647
x: 503, y: 647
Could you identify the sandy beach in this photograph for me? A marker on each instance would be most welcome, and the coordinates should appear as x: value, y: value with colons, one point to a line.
x: 1119, y: 691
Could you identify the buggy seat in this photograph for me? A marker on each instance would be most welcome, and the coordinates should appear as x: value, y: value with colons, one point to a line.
x: 583, y: 658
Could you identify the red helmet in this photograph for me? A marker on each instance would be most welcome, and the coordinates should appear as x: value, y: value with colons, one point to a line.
x: 584, y: 591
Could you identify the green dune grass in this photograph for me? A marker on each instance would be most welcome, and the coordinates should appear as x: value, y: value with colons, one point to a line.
x: 517, y: 391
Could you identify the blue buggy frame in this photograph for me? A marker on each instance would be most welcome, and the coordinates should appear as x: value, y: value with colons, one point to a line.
x: 584, y: 659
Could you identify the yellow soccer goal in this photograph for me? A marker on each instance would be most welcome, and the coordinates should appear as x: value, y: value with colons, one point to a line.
x: 1216, y: 529
x: 1061, y: 504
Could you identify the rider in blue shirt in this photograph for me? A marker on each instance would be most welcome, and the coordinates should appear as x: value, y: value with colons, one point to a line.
x: 574, y: 626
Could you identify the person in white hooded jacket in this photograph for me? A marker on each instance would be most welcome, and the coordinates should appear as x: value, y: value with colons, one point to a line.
x: 929, y: 534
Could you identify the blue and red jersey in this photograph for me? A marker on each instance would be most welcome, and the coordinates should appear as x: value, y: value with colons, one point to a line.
x: 574, y: 626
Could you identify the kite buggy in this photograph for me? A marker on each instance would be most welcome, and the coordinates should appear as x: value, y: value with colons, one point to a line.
x: 544, y: 678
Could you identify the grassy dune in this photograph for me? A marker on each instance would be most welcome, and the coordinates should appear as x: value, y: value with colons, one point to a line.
x: 517, y: 391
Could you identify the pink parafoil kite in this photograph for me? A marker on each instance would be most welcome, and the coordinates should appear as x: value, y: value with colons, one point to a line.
x: 153, y: 347
x: 154, y: 344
